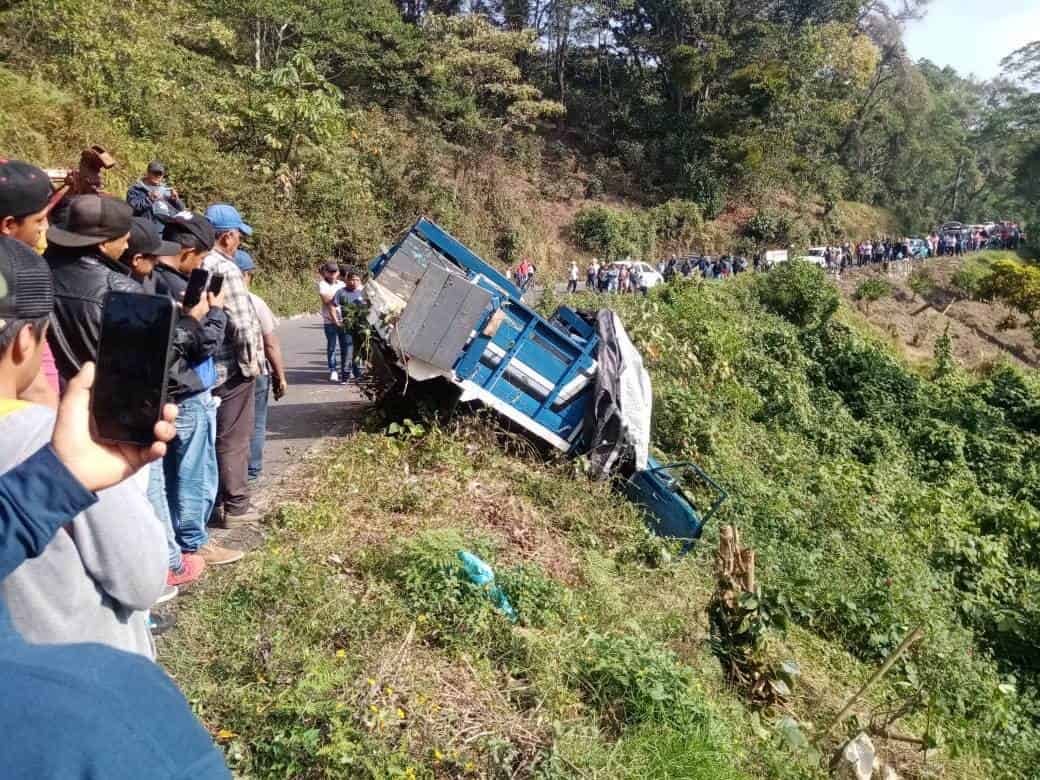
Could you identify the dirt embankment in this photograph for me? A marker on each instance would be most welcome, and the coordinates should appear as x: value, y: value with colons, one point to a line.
x: 980, y: 333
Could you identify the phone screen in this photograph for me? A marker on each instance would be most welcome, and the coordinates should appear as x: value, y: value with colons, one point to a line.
x: 196, y: 284
x: 133, y: 355
x: 216, y: 283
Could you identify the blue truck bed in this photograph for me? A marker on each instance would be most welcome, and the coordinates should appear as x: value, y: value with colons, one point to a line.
x: 442, y: 312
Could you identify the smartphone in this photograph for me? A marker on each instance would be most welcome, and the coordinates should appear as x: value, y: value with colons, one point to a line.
x: 196, y: 285
x: 216, y: 282
x: 133, y: 360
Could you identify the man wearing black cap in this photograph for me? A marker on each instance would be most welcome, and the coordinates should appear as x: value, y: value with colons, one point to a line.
x: 191, y: 466
x: 25, y: 201
x: 142, y: 254
x: 25, y: 193
x: 150, y: 197
x: 84, y: 256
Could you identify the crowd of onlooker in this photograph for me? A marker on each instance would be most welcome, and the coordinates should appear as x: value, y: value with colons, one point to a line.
x: 92, y: 535
x: 628, y: 276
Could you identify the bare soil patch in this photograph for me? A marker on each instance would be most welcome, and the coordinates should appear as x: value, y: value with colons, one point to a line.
x: 978, y: 330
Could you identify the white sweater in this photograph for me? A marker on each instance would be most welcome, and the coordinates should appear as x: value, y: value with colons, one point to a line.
x: 100, y: 574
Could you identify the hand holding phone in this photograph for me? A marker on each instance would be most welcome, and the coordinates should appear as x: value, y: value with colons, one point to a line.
x: 197, y: 283
x: 199, y: 311
x: 216, y: 283
x: 98, y: 466
x: 133, y: 362
x: 217, y: 301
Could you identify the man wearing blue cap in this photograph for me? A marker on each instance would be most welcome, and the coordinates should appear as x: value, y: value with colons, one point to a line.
x: 273, y: 367
x: 238, y: 366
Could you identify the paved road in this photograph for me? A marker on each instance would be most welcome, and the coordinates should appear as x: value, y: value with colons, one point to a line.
x: 312, y: 412
x: 313, y: 409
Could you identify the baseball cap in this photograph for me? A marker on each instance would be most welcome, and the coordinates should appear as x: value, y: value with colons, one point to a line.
x: 330, y: 268
x: 156, y: 167
x: 26, y: 288
x: 92, y: 220
x: 24, y: 189
x: 226, y: 217
x: 145, y: 239
x: 188, y: 224
x: 244, y: 261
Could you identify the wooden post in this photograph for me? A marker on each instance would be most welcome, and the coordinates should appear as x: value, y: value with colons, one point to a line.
x: 910, y: 638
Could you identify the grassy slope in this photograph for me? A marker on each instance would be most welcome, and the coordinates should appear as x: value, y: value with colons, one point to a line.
x: 338, y: 650
x: 334, y: 650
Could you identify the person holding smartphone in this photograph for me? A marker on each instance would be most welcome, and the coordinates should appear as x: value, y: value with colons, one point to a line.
x: 150, y: 197
x: 95, y: 582
x: 192, y: 471
x: 68, y: 708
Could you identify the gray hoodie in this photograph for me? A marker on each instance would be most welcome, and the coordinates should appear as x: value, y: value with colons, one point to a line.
x: 100, y: 574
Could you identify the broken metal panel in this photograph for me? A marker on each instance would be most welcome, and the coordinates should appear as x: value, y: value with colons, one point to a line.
x: 408, y: 263
x: 421, y: 303
x: 441, y: 316
x: 471, y: 314
x: 439, y: 320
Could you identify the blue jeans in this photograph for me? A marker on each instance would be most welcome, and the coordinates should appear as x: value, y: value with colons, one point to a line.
x: 157, y: 497
x: 352, y: 358
x: 334, y: 336
x: 262, y: 392
x: 191, y: 470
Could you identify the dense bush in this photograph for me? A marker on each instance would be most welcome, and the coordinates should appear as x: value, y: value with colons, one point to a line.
x: 614, y: 234
x: 871, y: 290
x: 878, y: 499
x: 799, y: 292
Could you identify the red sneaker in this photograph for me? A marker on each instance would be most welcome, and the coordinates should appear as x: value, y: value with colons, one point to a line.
x: 192, y: 566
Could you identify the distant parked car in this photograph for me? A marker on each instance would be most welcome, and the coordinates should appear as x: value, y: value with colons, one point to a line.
x: 648, y: 275
x: 816, y: 255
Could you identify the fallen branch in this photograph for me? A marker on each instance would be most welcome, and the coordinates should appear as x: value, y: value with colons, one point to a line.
x: 894, y: 656
x: 895, y: 735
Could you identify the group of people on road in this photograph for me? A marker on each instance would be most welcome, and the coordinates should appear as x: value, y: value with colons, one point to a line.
x: 626, y: 276
x: 344, y: 313
x: 83, y: 570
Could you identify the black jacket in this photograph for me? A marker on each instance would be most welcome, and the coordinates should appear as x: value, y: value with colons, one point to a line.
x: 82, y: 277
x: 194, y: 343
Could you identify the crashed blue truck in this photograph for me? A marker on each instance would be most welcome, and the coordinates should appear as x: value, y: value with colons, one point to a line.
x: 573, y: 381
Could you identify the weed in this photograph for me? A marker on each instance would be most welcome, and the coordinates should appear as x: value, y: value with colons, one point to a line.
x: 630, y: 680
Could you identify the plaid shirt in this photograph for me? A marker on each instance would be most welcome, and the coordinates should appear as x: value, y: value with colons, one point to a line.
x: 243, y: 342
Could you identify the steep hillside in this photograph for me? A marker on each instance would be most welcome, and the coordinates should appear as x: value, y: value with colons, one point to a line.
x: 878, y: 500
x: 981, y: 332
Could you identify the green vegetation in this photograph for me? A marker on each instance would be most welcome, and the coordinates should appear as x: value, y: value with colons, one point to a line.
x: 675, y: 225
x: 877, y: 498
x: 871, y: 290
x: 352, y: 645
x: 334, y: 124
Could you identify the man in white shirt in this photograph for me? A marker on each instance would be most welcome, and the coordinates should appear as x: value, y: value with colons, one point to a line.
x: 572, y: 283
x: 328, y: 286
